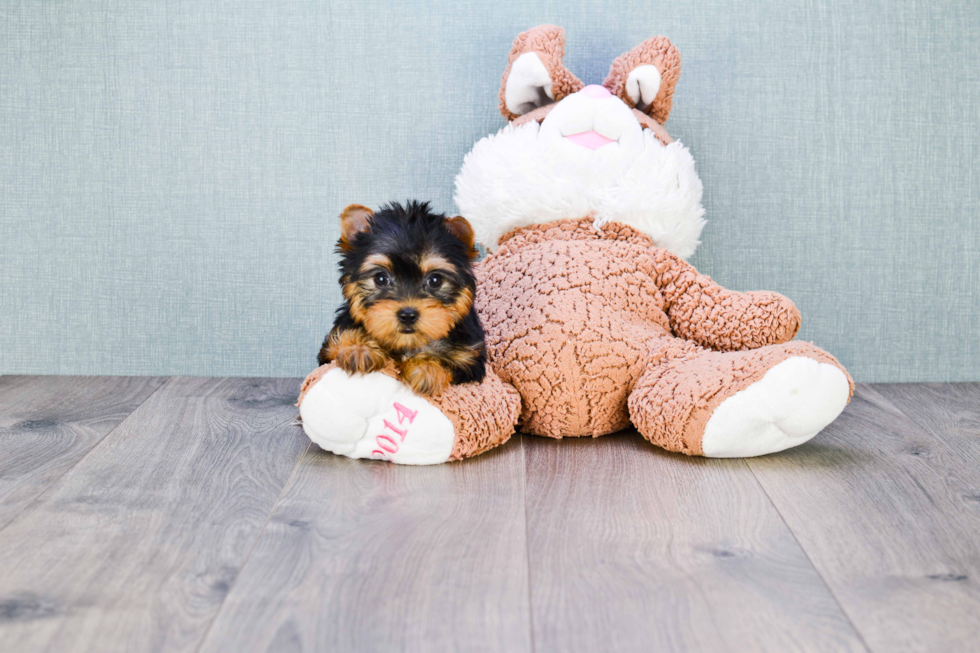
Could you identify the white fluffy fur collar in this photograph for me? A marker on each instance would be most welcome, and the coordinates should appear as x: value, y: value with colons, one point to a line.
x: 531, y: 174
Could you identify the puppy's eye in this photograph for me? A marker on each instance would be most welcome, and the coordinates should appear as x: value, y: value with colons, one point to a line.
x: 433, y: 281
x: 382, y: 279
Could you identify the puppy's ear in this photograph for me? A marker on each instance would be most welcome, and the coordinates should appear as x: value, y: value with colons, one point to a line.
x: 459, y: 227
x: 353, y: 220
x: 535, y: 75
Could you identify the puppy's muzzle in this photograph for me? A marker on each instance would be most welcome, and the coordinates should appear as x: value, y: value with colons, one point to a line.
x: 407, y: 316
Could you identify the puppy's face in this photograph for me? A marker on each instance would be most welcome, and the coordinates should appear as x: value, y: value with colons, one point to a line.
x: 407, y: 280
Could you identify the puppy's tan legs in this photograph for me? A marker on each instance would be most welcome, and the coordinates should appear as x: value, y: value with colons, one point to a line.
x: 426, y: 375
x: 355, y: 351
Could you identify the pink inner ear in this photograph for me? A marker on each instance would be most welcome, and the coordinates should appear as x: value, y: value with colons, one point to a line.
x: 590, y: 139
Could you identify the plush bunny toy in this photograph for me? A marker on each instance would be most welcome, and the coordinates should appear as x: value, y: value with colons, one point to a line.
x: 593, y: 319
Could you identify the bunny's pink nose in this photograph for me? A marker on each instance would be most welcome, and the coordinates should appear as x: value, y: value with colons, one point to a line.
x: 595, y: 92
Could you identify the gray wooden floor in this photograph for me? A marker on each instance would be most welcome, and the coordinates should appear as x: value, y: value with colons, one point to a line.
x: 188, y: 514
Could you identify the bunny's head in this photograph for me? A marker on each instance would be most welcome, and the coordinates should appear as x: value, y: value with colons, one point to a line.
x: 576, y: 151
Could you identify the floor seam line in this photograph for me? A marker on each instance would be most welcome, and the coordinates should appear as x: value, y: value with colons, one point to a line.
x: 806, y: 554
x: 527, y: 543
x: 927, y: 428
x: 248, y: 557
x: 95, y: 446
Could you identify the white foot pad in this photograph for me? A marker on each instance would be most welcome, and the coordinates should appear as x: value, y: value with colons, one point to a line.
x: 789, y: 405
x: 375, y: 416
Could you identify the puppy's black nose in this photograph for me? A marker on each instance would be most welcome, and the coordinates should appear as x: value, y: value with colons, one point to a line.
x: 408, y: 316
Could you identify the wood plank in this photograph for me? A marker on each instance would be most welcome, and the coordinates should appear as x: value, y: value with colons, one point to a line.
x: 368, y: 556
x: 632, y: 548
x: 889, y: 513
x: 950, y: 411
x: 135, y: 548
x: 49, y: 423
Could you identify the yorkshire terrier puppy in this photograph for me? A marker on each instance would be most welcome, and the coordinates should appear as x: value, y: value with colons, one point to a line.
x: 408, y: 287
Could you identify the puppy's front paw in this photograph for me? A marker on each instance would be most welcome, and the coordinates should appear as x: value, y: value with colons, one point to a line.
x: 425, y: 376
x: 361, y: 358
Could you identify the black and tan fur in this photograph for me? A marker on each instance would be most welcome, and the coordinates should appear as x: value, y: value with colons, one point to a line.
x: 408, y: 288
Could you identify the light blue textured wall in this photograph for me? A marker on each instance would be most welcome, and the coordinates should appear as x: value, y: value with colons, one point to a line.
x: 170, y: 172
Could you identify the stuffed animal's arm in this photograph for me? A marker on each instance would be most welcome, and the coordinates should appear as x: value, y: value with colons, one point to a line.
x: 701, y: 310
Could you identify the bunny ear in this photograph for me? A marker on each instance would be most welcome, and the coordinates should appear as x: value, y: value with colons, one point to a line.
x: 535, y: 75
x: 644, y: 77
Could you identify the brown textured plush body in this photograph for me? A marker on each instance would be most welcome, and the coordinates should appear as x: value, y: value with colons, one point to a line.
x: 599, y: 328
x: 589, y: 325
